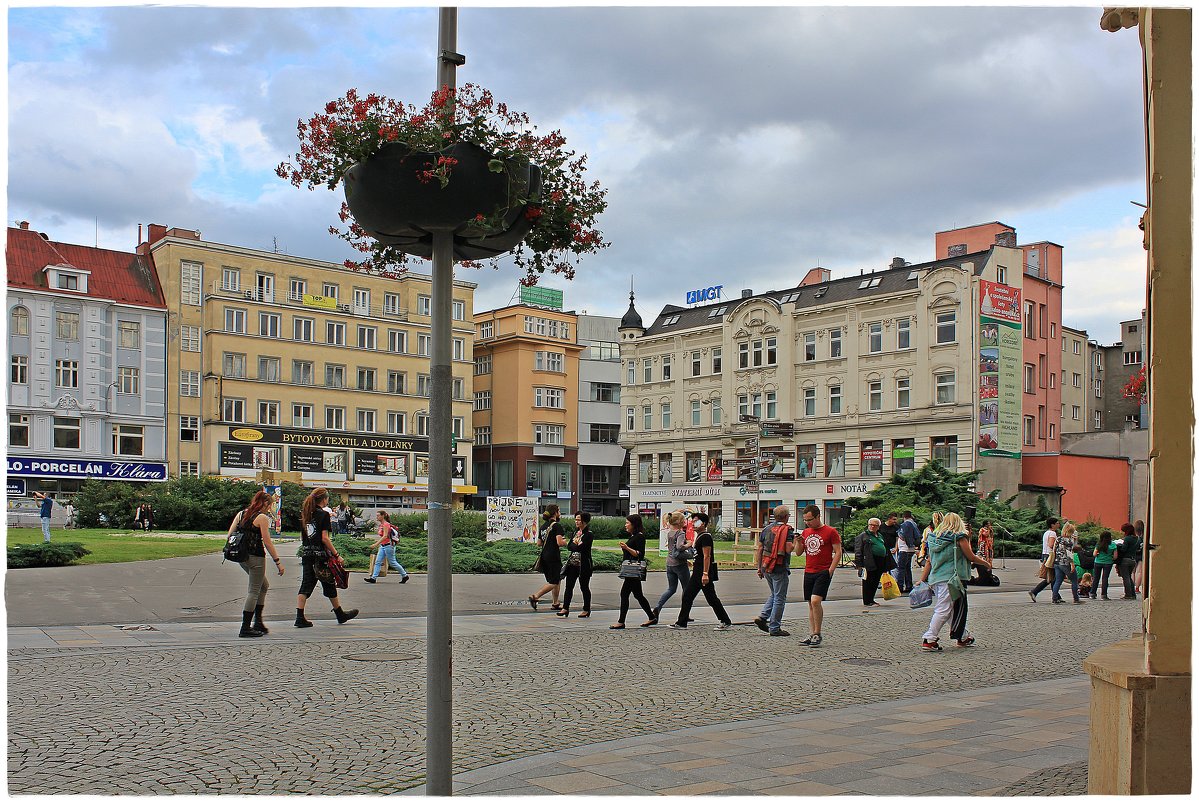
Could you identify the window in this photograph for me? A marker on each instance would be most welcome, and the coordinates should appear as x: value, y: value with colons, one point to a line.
x: 1030, y: 424
x: 128, y: 380
x: 458, y: 427
x: 66, y: 373
x: 1077, y: 348
x: 230, y: 279
x: 1043, y: 314
x: 647, y: 369
x: 874, y: 394
x: 630, y: 418
x: 876, y: 338
x: 67, y: 433
x: 1030, y: 379
x: 903, y: 333
x: 1075, y: 413
x: 1053, y: 330
x: 397, y: 424
x: 1030, y: 319
x: 68, y: 281
x: 772, y: 348
x: 302, y: 373
x: 301, y: 415
x: 18, y: 430
x: 19, y: 322
x: 458, y: 309
x: 366, y: 421
x: 189, y: 428
x: 553, y: 327
x: 716, y: 361
x: 362, y: 301
x: 270, y: 368
x: 631, y: 376
x: 189, y: 284
x: 397, y: 341
x: 189, y: 469
x: 424, y: 344
x: 903, y: 393
x: 666, y: 368
x: 1001, y: 275
x: 1052, y: 380
x: 549, y: 398
x: 330, y: 291
x: 335, y: 418
x: 647, y: 418
x: 424, y: 305
x: 424, y: 386
x: 743, y: 356
x: 366, y: 379
x: 459, y: 349
x: 19, y: 373
x: 366, y: 337
x: 945, y: 451
x: 233, y: 365
x: 268, y: 413
x: 872, y: 458
x: 945, y: 388
x: 665, y: 468
x: 1052, y: 431
x: 695, y: 362
x: 695, y: 414
x: 549, y: 362
x: 302, y: 329
x: 772, y: 406
x: 233, y: 410
x: 834, y: 343
x: 665, y: 416
x: 335, y: 376
x: 809, y: 347
x: 297, y: 288
x: 189, y: 338
x: 422, y: 426
x: 602, y: 432
x: 540, y: 325
x: 335, y: 333
x: 189, y: 383
x: 834, y: 399
x: 66, y: 326
x: 458, y: 389
x: 645, y: 468
x: 129, y: 334
x: 1132, y: 357
x: 1076, y: 380
x: 397, y: 382
x: 544, y: 434
x: 947, y: 327
x: 1041, y: 361
x: 487, y: 329
x: 834, y: 460
x: 605, y: 393
x: 756, y: 349
x: 717, y: 412
x: 1098, y: 386
x: 235, y: 321
x: 809, y: 402
x: 482, y: 400
x: 595, y: 480
x: 1098, y: 420
x: 903, y: 456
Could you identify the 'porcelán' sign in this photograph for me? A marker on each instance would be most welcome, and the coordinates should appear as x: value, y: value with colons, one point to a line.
x: 38, y: 467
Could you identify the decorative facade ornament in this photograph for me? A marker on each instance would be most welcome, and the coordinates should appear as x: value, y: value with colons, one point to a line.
x: 770, y: 329
x: 69, y: 402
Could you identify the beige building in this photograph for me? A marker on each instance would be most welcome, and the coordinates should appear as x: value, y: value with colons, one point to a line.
x: 877, y: 373
x: 304, y: 370
x: 1078, y: 355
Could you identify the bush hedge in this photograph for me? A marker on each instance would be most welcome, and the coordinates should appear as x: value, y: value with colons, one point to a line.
x: 45, y: 554
x: 466, y: 555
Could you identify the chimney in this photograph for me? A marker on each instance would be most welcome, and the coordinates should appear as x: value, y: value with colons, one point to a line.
x: 1006, y: 239
x: 24, y: 225
x: 155, y: 232
x: 816, y: 275
x: 747, y: 293
x: 898, y: 263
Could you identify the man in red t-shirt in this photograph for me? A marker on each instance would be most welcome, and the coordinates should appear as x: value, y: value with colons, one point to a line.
x: 822, y: 554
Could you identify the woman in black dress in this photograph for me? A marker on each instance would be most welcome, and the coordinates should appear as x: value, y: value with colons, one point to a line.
x: 633, y: 548
x: 579, y: 569
x: 703, y: 577
x: 552, y: 538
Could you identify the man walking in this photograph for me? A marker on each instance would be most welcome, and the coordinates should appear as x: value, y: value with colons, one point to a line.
x: 1048, y: 540
x: 908, y: 542
x: 44, y: 513
x: 772, y: 555
x: 822, y: 554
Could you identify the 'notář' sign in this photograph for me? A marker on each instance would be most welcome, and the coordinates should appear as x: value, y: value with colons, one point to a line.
x: 87, y: 468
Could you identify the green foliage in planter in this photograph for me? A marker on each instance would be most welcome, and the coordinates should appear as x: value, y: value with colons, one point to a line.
x: 45, y: 554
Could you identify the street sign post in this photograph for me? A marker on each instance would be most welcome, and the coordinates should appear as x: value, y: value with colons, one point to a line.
x: 775, y: 430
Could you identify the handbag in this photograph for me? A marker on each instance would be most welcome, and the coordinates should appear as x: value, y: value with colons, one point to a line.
x: 575, y: 560
x: 921, y: 595
x: 688, y: 553
x: 890, y: 587
x: 341, y: 576
x: 633, y: 569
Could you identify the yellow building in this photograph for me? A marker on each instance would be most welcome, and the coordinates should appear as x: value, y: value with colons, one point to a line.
x: 526, y: 405
x: 1078, y: 396
x: 304, y: 369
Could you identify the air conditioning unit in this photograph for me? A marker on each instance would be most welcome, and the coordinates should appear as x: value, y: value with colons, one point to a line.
x: 345, y: 307
x: 251, y: 294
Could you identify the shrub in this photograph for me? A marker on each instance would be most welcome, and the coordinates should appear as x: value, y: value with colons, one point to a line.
x: 45, y: 554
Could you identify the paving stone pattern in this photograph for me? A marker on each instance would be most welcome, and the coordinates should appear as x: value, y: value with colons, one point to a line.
x: 1064, y: 780
x: 267, y: 717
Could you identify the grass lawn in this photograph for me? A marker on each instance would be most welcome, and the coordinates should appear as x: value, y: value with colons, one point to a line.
x: 723, y: 553
x: 109, y: 545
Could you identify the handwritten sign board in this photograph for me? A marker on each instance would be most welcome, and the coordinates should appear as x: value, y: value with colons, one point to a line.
x: 511, y: 518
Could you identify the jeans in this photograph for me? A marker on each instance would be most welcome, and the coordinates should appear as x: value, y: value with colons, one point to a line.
x: 387, y: 552
x: 903, y: 561
x: 1060, y: 575
x: 676, y: 575
x: 1127, y: 571
x: 45, y: 528
x: 1100, y: 576
x: 772, y: 610
x: 1044, y: 582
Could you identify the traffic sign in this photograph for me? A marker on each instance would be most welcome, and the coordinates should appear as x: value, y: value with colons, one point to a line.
x: 752, y: 486
x: 750, y: 446
x: 735, y: 482
x: 775, y: 451
x: 750, y: 418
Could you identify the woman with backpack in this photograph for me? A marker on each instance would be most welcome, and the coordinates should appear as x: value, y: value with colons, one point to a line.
x: 578, y: 565
x: 255, y: 523
x: 316, y: 527
x: 551, y: 539
x: 389, y: 538
x: 947, y: 569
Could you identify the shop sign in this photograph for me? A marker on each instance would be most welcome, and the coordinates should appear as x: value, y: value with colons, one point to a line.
x: 695, y: 492
x: 652, y: 493
x: 903, y: 453
x: 102, y: 470
x: 303, y: 460
x: 705, y: 294
x: 322, y: 439
x: 16, y: 486
x: 853, y: 488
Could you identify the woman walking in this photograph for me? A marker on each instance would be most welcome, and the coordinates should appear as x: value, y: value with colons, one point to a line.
x: 871, y: 555
x: 578, y: 565
x: 1063, y: 564
x: 255, y: 523
x: 948, y: 567
x: 316, y: 526
x: 986, y: 550
x: 1105, y: 559
x: 389, y: 538
x: 553, y: 538
x: 676, y: 558
x: 633, y: 548
x: 703, y: 578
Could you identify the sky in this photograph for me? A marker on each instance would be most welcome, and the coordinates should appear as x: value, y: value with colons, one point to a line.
x: 739, y: 146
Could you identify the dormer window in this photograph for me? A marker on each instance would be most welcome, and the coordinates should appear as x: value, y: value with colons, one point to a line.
x: 67, y: 281
x: 60, y: 276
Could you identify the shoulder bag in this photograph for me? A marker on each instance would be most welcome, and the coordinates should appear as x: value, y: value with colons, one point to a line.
x: 633, y: 569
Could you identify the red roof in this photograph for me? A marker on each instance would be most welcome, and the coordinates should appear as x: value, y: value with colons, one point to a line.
x: 123, y: 276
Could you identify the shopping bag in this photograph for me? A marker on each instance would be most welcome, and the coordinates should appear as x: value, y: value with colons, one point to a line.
x: 890, y: 587
x: 921, y: 595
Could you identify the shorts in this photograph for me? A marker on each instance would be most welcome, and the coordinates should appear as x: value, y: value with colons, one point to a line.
x: 816, y: 584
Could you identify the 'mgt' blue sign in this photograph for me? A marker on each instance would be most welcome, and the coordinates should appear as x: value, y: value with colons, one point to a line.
x: 701, y: 295
x: 38, y: 467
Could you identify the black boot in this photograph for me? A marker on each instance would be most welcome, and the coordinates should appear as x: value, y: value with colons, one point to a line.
x: 301, y: 621
x: 258, y: 624
x: 344, y: 616
x: 246, y: 630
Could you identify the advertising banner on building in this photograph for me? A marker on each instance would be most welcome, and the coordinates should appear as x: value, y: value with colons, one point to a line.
x: 1000, y: 356
x: 103, y: 470
x: 511, y: 518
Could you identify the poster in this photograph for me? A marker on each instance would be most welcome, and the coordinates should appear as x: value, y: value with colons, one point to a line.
x: 1000, y: 356
x: 511, y: 517
x: 277, y: 517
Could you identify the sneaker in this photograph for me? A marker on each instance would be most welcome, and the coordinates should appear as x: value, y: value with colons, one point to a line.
x: 930, y: 647
x: 808, y: 641
x: 679, y: 626
x: 724, y: 627
x: 1032, y: 595
x: 816, y: 641
x: 1058, y: 601
x: 369, y: 580
x: 968, y: 642
x: 780, y: 633
x: 404, y: 580
x: 760, y: 623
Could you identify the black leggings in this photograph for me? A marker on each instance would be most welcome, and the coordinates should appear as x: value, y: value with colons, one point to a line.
x: 308, y: 582
x: 870, y: 585
x: 584, y: 580
x: 633, y: 587
x: 694, y: 587
x: 957, y: 620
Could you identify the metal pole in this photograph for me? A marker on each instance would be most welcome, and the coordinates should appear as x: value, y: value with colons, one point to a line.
x: 439, y: 645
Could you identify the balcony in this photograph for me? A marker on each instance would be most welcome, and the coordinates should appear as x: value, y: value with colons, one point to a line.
x: 380, y: 312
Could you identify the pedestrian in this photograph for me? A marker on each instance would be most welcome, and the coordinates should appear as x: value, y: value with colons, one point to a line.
x: 870, y: 554
x: 921, y: 558
x: 772, y: 555
x: 44, y: 511
x: 1048, y: 541
x: 316, y: 538
x: 1126, y: 567
x: 143, y: 517
x: 339, y: 519
x: 389, y: 538
x: 1105, y: 558
x: 889, y: 529
x: 255, y: 523
x: 948, y: 567
x: 634, y: 548
x: 703, y: 577
x: 70, y: 510
x: 578, y: 566
x: 822, y: 554
x: 677, y: 574
x: 907, y: 544
x: 551, y: 540
x: 985, y: 550
x: 1063, y: 564
x: 1138, y: 580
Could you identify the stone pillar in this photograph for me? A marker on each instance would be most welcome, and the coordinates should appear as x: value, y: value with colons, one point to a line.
x: 1141, y: 688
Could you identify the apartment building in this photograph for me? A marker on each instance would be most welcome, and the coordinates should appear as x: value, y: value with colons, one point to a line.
x: 1078, y: 396
x: 87, y: 335
x: 526, y: 405
x: 603, y: 462
x: 286, y: 368
x: 1122, y: 361
x: 876, y: 374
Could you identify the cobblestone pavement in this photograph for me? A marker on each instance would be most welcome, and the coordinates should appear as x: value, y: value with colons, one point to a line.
x: 288, y: 715
x: 1063, y: 780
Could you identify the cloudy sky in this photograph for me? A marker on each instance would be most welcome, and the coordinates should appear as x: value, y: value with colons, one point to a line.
x: 740, y: 146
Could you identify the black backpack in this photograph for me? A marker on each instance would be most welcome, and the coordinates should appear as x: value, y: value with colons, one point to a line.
x: 237, y: 545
